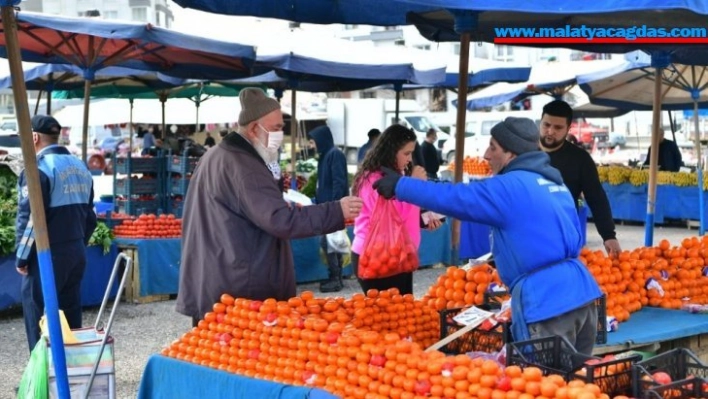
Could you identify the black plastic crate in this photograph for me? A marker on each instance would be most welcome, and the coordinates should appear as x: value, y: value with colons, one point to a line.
x: 179, y: 186
x: 175, y: 207
x: 137, y: 207
x: 474, y: 341
x: 130, y: 165
x: 679, y: 364
x: 130, y: 186
x: 688, y: 388
x: 613, y: 376
x: 181, y: 164
x: 553, y: 355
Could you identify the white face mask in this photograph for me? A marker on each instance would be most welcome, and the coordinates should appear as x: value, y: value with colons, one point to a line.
x: 275, y: 138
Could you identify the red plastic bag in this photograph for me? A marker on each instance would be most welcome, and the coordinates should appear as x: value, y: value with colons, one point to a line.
x: 388, y: 249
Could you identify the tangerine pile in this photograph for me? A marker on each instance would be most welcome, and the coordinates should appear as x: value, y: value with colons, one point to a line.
x: 459, y: 288
x: 290, y: 342
x: 663, y: 276
x: 150, y: 226
x: 473, y: 166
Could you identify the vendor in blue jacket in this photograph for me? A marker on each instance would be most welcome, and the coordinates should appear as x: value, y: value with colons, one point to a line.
x: 536, y: 237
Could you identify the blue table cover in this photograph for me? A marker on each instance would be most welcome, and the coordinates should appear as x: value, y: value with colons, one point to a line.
x: 655, y: 325
x: 169, y: 378
x: 93, y: 286
x: 159, y: 261
x: 630, y: 203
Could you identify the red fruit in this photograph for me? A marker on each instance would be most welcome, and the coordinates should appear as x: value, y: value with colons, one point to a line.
x: 377, y: 360
x: 255, y: 305
x: 254, y: 354
x: 300, y: 324
x: 504, y: 384
x: 308, y: 377
x: 332, y: 337
x: 447, y: 369
x: 422, y: 387
x: 661, y: 378
x: 220, y: 317
x: 224, y: 338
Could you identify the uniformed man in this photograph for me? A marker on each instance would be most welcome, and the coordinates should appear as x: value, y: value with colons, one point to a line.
x: 67, y: 191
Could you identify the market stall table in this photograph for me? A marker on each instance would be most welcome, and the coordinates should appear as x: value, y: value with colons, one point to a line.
x: 652, y: 325
x: 156, y: 262
x: 93, y: 286
x: 164, y: 377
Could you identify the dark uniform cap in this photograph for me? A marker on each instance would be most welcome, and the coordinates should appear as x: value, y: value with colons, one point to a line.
x: 46, y: 125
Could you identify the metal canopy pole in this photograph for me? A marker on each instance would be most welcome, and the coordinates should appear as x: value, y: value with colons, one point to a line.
x: 39, y: 221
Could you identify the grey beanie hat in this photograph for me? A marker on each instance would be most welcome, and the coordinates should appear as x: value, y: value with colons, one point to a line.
x: 518, y: 135
x: 254, y: 105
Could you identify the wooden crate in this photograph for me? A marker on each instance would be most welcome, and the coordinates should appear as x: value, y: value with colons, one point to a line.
x: 697, y: 344
x: 131, y: 293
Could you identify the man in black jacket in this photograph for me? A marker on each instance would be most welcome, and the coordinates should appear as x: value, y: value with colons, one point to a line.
x: 578, y: 170
x: 430, y: 154
x: 670, y: 159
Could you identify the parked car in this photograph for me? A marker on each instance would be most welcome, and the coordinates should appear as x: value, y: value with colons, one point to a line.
x: 10, y: 144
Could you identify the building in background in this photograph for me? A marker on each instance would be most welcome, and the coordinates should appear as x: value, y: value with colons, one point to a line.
x: 156, y: 12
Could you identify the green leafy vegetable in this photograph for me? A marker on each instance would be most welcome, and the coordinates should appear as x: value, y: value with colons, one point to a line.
x: 102, y: 236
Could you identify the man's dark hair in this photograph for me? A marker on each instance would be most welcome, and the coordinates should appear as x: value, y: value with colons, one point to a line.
x: 559, y: 108
x: 431, y: 132
x: 373, y: 133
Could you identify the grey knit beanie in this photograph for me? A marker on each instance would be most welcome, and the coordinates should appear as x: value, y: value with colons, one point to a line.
x: 518, y: 135
x: 254, y: 105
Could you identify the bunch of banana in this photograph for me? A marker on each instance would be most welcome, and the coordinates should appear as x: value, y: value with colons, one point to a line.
x: 602, y: 171
x: 638, y: 177
x: 618, y: 175
x: 664, y: 178
x: 682, y: 179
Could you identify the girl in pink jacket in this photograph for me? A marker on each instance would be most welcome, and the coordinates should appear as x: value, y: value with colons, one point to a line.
x: 394, y: 150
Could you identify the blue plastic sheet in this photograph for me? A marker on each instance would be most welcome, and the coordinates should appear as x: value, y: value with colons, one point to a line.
x: 93, y: 286
x: 655, y: 325
x: 158, y: 260
x: 168, y: 378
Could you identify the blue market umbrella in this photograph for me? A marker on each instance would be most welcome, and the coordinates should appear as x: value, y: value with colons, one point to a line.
x: 551, y: 78
x: 50, y: 77
x: 92, y: 44
x: 632, y: 87
x: 302, y: 57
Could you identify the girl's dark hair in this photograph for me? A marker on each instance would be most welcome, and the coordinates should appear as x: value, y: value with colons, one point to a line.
x: 383, y: 153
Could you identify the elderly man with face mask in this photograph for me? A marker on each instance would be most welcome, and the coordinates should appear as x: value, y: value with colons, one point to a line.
x: 237, y: 226
x: 536, y: 238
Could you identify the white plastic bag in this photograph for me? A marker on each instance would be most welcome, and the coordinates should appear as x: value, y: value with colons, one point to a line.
x: 338, y: 242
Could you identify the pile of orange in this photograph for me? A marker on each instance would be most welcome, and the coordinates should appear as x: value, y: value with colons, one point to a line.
x: 473, y: 166
x: 458, y: 288
x: 663, y: 276
x: 290, y: 342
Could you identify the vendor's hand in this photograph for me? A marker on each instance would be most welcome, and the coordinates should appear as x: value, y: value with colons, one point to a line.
x: 419, y: 173
x: 386, y: 186
x: 612, y: 246
x: 351, y: 207
x: 22, y: 270
x: 434, y: 224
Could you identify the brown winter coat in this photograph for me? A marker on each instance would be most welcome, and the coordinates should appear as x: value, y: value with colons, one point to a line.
x: 236, y: 230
